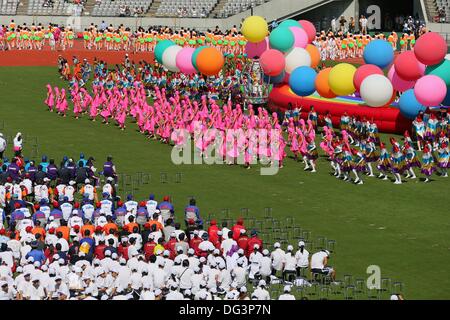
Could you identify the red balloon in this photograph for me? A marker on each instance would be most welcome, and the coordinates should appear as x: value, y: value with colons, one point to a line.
x: 272, y: 62
x: 408, y: 67
x: 430, y: 48
x: 309, y: 28
x: 364, y: 71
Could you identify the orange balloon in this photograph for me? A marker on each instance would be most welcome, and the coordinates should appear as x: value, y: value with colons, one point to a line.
x: 315, y: 55
x: 210, y: 61
x: 322, y: 86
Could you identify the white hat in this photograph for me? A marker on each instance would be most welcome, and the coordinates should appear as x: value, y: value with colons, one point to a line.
x: 158, y: 252
x: 327, y: 252
x: 191, y: 251
x: 71, y: 182
x: 290, y: 248
x: 222, y: 265
x: 77, y: 269
x: 75, y: 212
x: 86, y: 181
x: 157, y: 292
x: 173, y: 235
x: 276, y: 245
x: 46, y: 179
x: 265, y: 252
x: 107, y: 253
x: 114, y: 256
x: 35, y: 278
x: 202, y: 259
x: 44, y: 267
x: 30, y: 259
x: 216, y: 251
x: 196, y: 232
x: 240, y: 251
x: 219, y: 233
x: 256, y: 246
x: 2, y: 283
x: 243, y: 289
x: 37, y: 264
x: 166, y: 253
x: 161, y: 263
x: 51, y: 218
x: 27, y: 214
x: 262, y: 283
x: 122, y: 261
x: 301, y: 244
x: 394, y: 297
x: 243, y: 231
x: 19, y: 269
x: 187, y: 292
x: 76, y: 238
x: 230, y: 295
x: 81, y: 254
x: 61, y: 261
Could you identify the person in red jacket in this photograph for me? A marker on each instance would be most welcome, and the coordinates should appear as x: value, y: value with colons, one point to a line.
x: 194, y: 242
x: 170, y: 245
x: 149, y: 249
x: 99, y: 251
x: 237, y: 228
x: 212, y: 231
x: 242, y: 241
x: 254, y: 239
x: 122, y: 249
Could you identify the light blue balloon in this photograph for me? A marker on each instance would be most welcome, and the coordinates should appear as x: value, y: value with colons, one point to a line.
x: 281, y: 39
x: 379, y: 52
x: 161, y: 47
x: 302, y: 81
x: 290, y: 23
x: 409, y: 106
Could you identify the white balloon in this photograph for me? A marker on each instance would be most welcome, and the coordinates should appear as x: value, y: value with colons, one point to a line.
x: 169, y: 58
x: 297, y: 57
x: 376, y: 90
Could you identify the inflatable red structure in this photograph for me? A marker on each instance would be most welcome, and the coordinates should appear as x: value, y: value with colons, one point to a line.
x: 388, y: 119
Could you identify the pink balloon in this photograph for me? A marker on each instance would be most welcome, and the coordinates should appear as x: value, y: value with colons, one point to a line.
x: 256, y: 49
x: 430, y: 90
x: 300, y: 37
x: 184, y: 60
x: 398, y: 83
x: 363, y: 72
x: 272, y: 62
x: 309, y: 28
x: 408, y: 67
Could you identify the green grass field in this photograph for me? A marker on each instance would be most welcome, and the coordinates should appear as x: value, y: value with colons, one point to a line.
x: 404, y: 229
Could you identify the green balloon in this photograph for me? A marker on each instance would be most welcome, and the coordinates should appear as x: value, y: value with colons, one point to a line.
x: 195, y: 54
x: 290, y: 23
x: 351, y: 45
x: 413, y: 42
x: 232, y: 43
x: 442, y: 70
x: 344, y: 46
x: 220, y: 42
x: 241, y: 42
x: 360, y: 44
x: 200, y: 41
x: 161, y: 47
x: 402, y: 42
x: 281, y: 39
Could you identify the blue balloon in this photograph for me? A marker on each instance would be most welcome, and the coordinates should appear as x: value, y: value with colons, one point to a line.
x: 276, y: 79
x: 408, y: 104
x: 302, y: 81
x: 379, y: 52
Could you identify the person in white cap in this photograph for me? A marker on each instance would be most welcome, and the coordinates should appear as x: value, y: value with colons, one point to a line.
x: 89, y: 190
x: 302, y: 257
x: 159, y: 277
x: 396, y: 297
x: 255, y: 262
x: 69, y: 191
x: 265, y: 269
x: 174, y: 294
x: 278, y: 259
x: 224, y: 279
x: 147, y: 293
x: 319, y: 264
x: 290, y: 263
x: 35, y: 291
x: 261, y: 292
x: 7, y: 292
x: 286, y: 294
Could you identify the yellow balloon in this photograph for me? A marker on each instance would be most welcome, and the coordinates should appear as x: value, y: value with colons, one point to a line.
x: 340, y: 79
x: 255, y: 29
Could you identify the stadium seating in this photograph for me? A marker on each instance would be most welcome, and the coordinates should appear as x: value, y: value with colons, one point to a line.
x: 433, y: 7
x: 60, y: 7
x: 194, y: 8
x: 112, y: 8
x: 233, y: 7
x: 8, y: 7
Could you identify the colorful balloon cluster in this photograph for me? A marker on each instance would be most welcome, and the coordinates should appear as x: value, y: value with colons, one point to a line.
x: 286, y: 54
x: 206, y: 60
